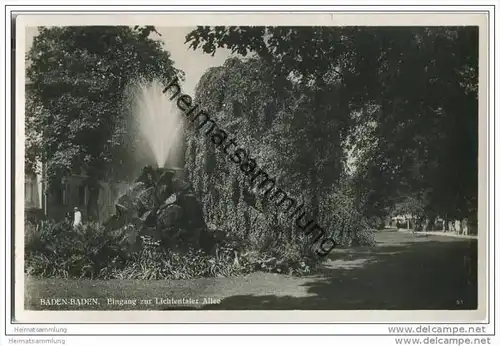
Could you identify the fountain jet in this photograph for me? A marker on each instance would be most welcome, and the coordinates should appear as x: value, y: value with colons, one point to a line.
x: 160, y: 124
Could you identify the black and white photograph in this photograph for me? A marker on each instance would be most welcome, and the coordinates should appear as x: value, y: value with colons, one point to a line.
x: 273, y: 167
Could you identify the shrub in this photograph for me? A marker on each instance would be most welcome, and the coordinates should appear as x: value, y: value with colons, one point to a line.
x: 347, y: 224
x: 284, y: 258
x: 365, y: 237
x: 59, y: 250
x: 377, y: 223
x: 154, y: 263
x: 90, y: 251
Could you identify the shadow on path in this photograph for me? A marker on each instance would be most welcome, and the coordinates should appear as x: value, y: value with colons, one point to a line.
x: 403, y: 272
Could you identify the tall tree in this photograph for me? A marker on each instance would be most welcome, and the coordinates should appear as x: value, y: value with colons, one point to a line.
x: 412, y: 91
x: 426, y: 122
x: 78, y: 77
x: 309, y: 101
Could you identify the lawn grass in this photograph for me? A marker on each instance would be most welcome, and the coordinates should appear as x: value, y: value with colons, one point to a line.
x: 211, y: 289
x: 403, y: 272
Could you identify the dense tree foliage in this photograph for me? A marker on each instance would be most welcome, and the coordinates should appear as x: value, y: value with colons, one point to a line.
x: 405, y: 98
x: 276, y: 128
x: 237, y: 95
x: 76, y: 115
x: 397, y: 105
x: 424, y: 140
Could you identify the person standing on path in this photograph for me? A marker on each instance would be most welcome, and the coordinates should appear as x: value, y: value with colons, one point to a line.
x: 77, y: 220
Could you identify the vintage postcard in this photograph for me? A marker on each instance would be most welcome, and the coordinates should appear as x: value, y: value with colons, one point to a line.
x: 251, y: 167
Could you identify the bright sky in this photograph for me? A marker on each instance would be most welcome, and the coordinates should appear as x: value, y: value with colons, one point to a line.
x: 193, y: 63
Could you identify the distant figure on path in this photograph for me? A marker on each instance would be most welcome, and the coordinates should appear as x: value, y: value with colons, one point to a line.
x: 77, y: 221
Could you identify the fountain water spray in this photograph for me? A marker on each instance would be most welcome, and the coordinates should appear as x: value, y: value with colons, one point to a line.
x: 160, y: 203
x: 160, y: 124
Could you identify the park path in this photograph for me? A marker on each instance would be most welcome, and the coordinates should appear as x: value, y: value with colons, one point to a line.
x: 404, y: 271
